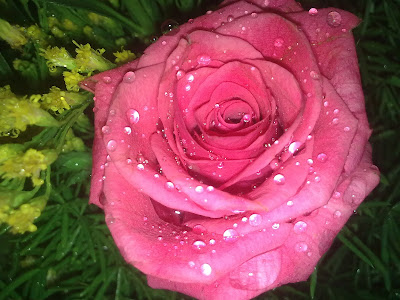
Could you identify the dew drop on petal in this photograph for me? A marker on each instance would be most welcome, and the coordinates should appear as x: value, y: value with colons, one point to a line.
x: 111, y: 145
x: 206, y: 269
x: 278, y: 42
x: 212, y: 242
x: 275, y: 226
x: 334, y: 19
x: 180, y: 74
x: 230, y: 18
x: 314, y: 75
x: 310, y: 161
x: 279, y: 179
x: 105, y: 129
x: 210, y: 188
x: 301, y: 247
x: 127, y: 130
x: 254, y: 15
x: 289, y: 203
x: 199, y: 229
x: 293, y: 147
x: 255, y: 220
x: 300, y: 227
x: 337, y: 214
x: 198, y: 245
x: 129, y: 77
x: 335, y: 121
x: 203, y: 60
x: 322, y: 157
x: 191, y: 264
x: 220, y: 165
x: 199, y: 189
x: 169, y: 185
x: 133, y: 116
x: 346, y: 129
x: 336, y: 195
x: 106, y: 79
x: 140, y: 167
x: 230, y: 235
x: 246, y: 118
x: 313, y: 11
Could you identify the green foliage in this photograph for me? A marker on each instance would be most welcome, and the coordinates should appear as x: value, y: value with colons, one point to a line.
x: 72, y: 254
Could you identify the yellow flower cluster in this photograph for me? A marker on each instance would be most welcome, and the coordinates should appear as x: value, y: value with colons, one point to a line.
x: 16, y: 113
x: 12, y: 35
x: 26, y: 164
x: 21, y: 219
x: 58, y: 100
x: 124, y: 56
x: 72, y: 143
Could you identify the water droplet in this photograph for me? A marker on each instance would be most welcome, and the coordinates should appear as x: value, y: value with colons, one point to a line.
x: 230, y: 18
x: 326, y: 103
x: 160, y: 238
x: 230, y: 235
x: 180, y: 74
x: 187, y: 88
x: 336, y: 111
x: 289, y: 203
x: 129, y: 77
x: 278, y: 42
x: 301, y: 247
x: 111, y: 145
x: 169, y: 185
x: 163, y: 43
x: 246, y: 118
x: 110, y: 220
x: 322, y: 157
x: 190, y: 78
x: 313, y: 11
x: 191, y: 264
x: 337, y: 214
x: 220, y: 165
x: 254, y: 15
x: 334, y: 19
x: 107, y: 79
x: 210, y: 188
x: 203, y: 60
x: 335, y: 121
x: 275, y: 226
x: 127, y: 130
x: 169, y: 25
x: 279, y: 179
x: 198, y: 245
x: 314, y: 75
x: 310, y: 161
x: 255, y: 220
x: 206, y: 269
x: 336, y: 195
x: 212, y: 242
x: 133, y: 116
x: 317, y: 179
x: 346, y: 129
x: 199, y: 189
x: 140, y: 167
x: 300, y: 227
x: 105, y: 129
x: 199, y: 229
x: 293, y: 147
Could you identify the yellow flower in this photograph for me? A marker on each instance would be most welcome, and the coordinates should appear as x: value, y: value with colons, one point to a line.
x: 21, y: 219
x: 69, y: 25
x: 72, y: 80
x: 58, y: 100
x: 88, y: 60
x: 17, y: 113
x: 72, y: 143
x: 12, y: 35
x: 58, y: 57
x: 28, y: 164
x: 124, y: 56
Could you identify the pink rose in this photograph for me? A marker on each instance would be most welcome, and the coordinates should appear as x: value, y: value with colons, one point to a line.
x: 230, y: 154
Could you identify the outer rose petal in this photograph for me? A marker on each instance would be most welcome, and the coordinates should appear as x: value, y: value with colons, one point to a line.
x: 279, y: 5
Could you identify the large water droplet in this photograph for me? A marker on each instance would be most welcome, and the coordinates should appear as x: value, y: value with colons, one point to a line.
x: 127, y: 130
x: 169, y: 185
x: 293, y: 147
x: 322, y: 157
x: 198, y: 245
x: 180, y: 74
x: 334, y: 19
x: 199, y: 189
x: 301, y: 247
x: 275, y: 226
x: 313, y: 11
x: 111, y: 145
x: 300, y: 227
x: 247, y: 118
x: 107, y: 79
x: 255, y: 220
x: 199, y: 229
x: 129, y: 77
x: 133, y: 116
x: 230, y: 235
x: 279, y: 179
x: 206, y: 269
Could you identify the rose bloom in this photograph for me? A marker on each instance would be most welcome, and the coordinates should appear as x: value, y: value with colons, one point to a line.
x: 231, y: 153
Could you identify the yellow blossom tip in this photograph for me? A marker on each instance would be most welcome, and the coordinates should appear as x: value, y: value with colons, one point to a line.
x: 124, y: 56
x: 12, y: 35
